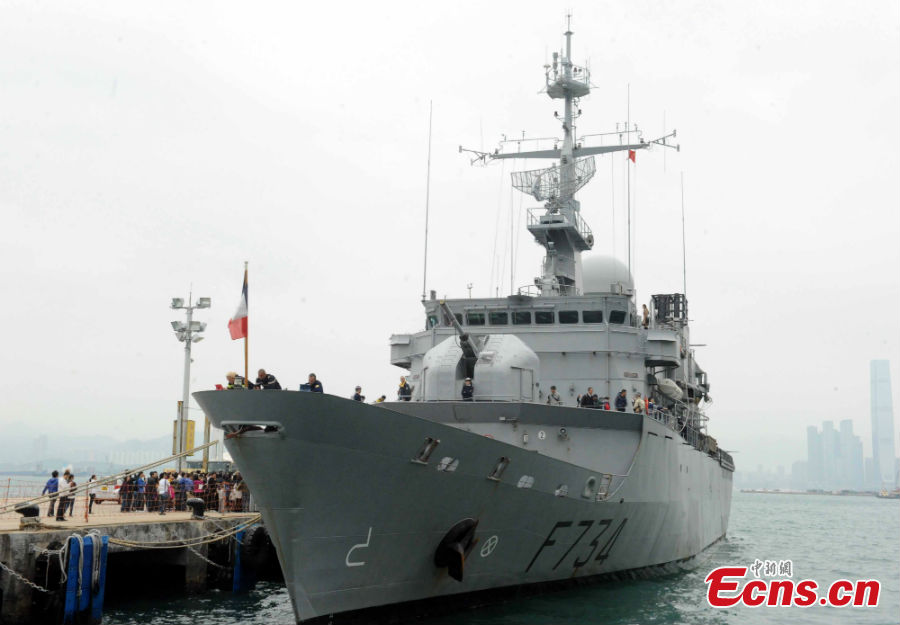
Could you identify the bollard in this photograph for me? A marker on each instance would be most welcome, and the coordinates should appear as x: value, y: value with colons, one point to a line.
x: 197, y: 507
x: 31, y: 516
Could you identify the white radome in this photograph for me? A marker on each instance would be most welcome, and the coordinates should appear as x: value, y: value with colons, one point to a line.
x: 599, y: 272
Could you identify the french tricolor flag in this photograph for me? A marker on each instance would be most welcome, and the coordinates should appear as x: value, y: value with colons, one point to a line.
x: 238, y: 324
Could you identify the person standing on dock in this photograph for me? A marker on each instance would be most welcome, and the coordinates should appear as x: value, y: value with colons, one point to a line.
x: 92, y: 493
x: 180, y: 493
x: 52, y: 488
x: 63, y: 502
x: 162, y: 490
x: 140, y: 492
x: 72, y: 485
x: 210, y: 491
x: 152, y: 492
x: 125, y: 495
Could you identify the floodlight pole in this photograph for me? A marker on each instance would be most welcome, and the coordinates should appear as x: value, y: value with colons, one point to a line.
x: 186, y: 394
x: 187, y: 334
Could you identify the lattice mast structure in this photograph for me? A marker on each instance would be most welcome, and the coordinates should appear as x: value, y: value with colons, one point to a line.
x: 558, y: 226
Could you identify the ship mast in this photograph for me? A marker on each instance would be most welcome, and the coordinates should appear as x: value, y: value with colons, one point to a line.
x: 558, y: 225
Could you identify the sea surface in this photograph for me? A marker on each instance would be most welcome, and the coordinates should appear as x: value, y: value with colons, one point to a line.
x: 826, y: 538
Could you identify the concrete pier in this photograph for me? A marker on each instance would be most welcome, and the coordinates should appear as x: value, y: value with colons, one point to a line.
x: 142, y: 533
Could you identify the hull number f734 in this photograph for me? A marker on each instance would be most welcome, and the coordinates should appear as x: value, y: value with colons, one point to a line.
x: 564, y: 531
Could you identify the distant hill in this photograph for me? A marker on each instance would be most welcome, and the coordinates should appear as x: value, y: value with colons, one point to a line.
x: 24, y: 447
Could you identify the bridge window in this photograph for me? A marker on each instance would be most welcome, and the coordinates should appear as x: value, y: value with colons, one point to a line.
x: 568, y: 316
x: 432, y: 321
x: 521, y: 317
x: 458, y: 318
x: 543, y: 317
x: 475, y: 319
x: 617, y: 316
x: 592, y: 316
x: 498, y: 318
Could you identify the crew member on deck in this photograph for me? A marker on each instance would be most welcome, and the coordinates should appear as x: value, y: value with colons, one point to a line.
x: 467, y: 390
x: 645, y: 321
x: 553, y: 398
x: 589, y: 400
x: 314, y: 385
x: 231, y: 376
x: 404, y: 393
x: 621, y: 401
x: 358, y: 396
x: 266, y: 381
x: 638, y: 404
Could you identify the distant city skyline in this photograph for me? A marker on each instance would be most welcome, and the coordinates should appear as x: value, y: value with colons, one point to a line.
x: 834, y: 457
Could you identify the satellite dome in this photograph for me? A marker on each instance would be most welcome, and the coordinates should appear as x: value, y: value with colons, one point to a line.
x: 600, y: 272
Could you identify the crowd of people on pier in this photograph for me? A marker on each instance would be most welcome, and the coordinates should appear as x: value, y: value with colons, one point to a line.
x: 159, y: 492
x: 170, y: 490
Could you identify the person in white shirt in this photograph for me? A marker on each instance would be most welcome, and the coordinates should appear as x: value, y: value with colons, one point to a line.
x: 163, y: 490
x: 64, y: 487
x: 92, y: 491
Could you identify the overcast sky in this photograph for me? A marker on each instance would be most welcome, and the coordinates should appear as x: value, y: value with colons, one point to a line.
x: 146, y: 148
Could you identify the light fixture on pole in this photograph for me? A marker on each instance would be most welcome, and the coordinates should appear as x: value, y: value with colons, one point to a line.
x: 187, y: 332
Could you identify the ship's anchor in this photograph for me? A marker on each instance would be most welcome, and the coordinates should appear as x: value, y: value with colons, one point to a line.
x: 455, y: 546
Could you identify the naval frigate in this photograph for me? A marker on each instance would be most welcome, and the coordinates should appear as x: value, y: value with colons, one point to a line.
x: 433, y: 499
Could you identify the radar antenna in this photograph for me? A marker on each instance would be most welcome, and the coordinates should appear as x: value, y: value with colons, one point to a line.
x: 558, y: 226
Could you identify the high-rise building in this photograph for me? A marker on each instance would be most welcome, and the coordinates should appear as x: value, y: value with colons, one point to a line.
x: 815, y: 468
x: 883, y: 450
x: 851, y: 473
x: 834, y: 458
x: 830, y: 452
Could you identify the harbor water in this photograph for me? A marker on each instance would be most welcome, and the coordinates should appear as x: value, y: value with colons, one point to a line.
x: 825, y: 537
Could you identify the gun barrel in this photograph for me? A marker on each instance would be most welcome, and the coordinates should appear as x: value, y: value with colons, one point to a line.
x: 469, y: 346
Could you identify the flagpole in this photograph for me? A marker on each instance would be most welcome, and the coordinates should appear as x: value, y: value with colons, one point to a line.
x: 628, y: 174
x: 247, y: 334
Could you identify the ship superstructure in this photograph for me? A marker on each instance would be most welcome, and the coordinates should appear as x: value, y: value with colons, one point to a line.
x: 394, y: 506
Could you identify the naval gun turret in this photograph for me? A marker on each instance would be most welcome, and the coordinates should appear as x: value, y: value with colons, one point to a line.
x: 502, y: 367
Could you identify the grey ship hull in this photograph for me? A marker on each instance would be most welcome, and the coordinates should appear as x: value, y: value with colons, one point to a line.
x: 356, y: 522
